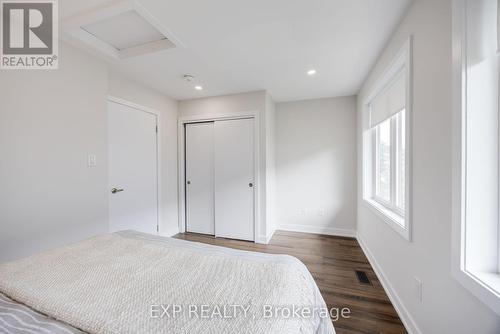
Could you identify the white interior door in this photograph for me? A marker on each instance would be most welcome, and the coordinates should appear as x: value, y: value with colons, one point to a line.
x: 200, y: 177
x: 234, y: 179
x: 132, y: 152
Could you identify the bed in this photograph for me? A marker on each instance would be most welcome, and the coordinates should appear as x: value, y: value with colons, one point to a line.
x: 130, y: 282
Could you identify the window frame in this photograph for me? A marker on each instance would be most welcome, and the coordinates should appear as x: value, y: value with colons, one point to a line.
x: 485, y: 286
x: 400, y: 221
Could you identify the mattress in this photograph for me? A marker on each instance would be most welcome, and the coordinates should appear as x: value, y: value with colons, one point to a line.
x: 130, y: 282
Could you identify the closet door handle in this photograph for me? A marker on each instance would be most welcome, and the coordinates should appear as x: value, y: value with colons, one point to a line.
x: 114, y: 190
x: 188, y: 182
x: 250, y: 184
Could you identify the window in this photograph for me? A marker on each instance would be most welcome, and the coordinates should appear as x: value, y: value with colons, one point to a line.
x: 386, y: 172
x: 401, y: 149
x: 389, y: 159
x: 476, y: 148
x: 383, y: 162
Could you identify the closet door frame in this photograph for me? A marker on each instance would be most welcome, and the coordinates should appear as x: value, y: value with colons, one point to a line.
x: 183, y: 120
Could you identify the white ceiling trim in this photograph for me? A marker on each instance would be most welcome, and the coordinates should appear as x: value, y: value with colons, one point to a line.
x: 72, y: 28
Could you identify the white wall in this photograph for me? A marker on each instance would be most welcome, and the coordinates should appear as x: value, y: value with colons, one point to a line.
x: 126, y: 89
x: 316, y: 165
x: 49, y: 122
x: 237, y: 103
x: 223, y: 105
x: 270, y: 115
x: 447, y: 307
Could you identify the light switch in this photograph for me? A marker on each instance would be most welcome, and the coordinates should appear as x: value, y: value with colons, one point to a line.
x: 92, y: 160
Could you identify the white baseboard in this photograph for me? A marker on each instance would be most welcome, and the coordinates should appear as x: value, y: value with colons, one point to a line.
x: 403, y: 313
x: 341, y: 232
x: 264, y: 239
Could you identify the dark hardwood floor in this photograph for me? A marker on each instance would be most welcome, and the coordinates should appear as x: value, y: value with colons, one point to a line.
x: 332, y: 262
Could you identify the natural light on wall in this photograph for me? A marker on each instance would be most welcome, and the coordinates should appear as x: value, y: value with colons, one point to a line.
x: 386, y: 144
x: 476, y: 150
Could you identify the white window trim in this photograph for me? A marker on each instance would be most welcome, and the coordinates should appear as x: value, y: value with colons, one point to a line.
x: 485, y: 286
x: 399, y: 223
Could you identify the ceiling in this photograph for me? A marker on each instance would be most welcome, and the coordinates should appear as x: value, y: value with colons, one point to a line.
x: 234, y: 46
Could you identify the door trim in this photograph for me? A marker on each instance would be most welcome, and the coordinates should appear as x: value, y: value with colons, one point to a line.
x: 182, y: 163
x: 157, y: 114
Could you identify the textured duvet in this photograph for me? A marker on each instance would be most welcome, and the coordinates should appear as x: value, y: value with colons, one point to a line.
x: 129, y: 282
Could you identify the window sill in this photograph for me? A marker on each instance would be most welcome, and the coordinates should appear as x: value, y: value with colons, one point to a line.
x: 393, y: 219
x: 490, y: 280
x: 484, y: 285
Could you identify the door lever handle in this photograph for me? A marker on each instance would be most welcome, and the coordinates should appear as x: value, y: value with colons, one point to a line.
x: 115, y: 190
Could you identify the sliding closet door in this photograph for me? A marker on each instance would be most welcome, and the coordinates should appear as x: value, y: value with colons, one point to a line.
x: 234, y: 179
x: 200, y: 177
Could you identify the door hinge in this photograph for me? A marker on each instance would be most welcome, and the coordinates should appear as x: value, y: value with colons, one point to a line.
x: 157, y: 229
x: 156, y: 129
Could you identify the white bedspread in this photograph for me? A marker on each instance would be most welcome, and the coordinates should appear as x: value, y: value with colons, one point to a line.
x: 129, y: 282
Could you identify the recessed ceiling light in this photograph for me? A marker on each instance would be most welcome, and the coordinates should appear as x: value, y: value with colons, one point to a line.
x: 311, y: 72
x: 198, y: 87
